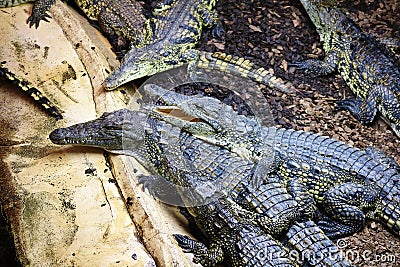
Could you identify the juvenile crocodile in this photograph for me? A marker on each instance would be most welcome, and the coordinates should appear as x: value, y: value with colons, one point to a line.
x: 231, y: 231
x: 121, y: 132
x: 33, y: 92
x: 271, y: 199
x: 177, y: 26
x: 121, y: 17
x: 369, y: 71
x: 349, y: 184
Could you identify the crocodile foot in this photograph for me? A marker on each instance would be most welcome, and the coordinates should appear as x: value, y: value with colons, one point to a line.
x: 39, y: 12
x: 363, y: 112
x: 159, y: 188
x: 205, y: 256
x: 218, y: 31
x: 334, y: 229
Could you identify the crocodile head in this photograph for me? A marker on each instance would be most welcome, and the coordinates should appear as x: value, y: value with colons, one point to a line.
x: 213, y: 115
x: 149, y: 60
x: 113, y: 131
x: 215, y: 122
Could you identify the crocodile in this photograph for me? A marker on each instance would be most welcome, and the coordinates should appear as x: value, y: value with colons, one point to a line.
x: 348, y: 183
x: 33, y: 92
x: 164, y: 41
x: 254, y: 246
x: 177, y: 26
x: 270, y: 199
x: 235, y: 236
x: 123, y: 17
x: 232, y: 232
x: 361, y: 60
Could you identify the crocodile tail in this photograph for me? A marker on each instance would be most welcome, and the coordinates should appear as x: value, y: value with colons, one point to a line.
x: 33, y: 92
x: 389, y: 210
x: 10, y: 3
x: 315, y: 247
x: 243, y: 68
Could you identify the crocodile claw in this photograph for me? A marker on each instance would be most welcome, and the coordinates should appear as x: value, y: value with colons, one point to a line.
x: 187, y: 244
x: 35, y: 19
x: 150, y: 183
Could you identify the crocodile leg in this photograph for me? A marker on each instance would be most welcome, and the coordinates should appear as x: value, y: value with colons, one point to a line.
x: 110, y: 24
x: 319, y: 67
x: 392, y: 44
x: 275, y: 207
x: 124, y: 18
x: 307, y: 204
x: 345, y: 204
x: 210, y: 20
x: 39, y: 12
x: 203, y: 255
x: 364, y: 110
x: 160, y: 188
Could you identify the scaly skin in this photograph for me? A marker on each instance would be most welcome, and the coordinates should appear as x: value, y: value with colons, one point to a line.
x: 348, y: 183
x: 123, y: 17
x: 32, y: 92
x: 242, y: 68
x: 235, y: 233
x: 177, y: 29
x: 279, y: 209
x: 320, y: 251
x: 235, y: 238
x: 368, y: 69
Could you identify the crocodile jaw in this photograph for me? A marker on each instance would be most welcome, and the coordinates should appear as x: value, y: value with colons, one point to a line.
x: 115, y: 131
x: 149, y: 60
x: 129, y: 70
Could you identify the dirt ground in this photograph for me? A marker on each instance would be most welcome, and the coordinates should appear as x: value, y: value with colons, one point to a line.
x: 275, y: 33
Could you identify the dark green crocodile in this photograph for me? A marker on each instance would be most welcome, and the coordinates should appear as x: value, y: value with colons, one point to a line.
x: 364, y: 64
x: 349, y: 184
x: 45, y: 103
x: 122, y: 17
x: 251, y: 244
